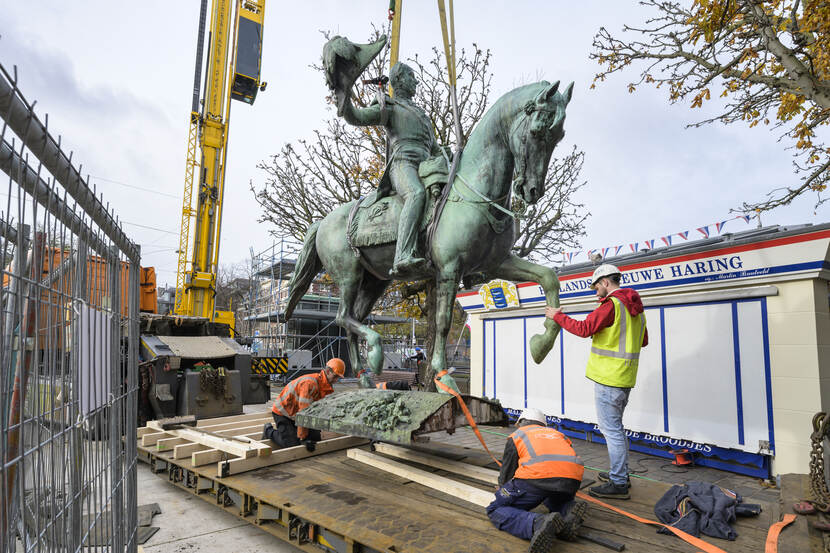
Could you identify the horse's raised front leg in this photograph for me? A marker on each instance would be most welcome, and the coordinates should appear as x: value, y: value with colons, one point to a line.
x: 446, y: 288
x: 517, y: 269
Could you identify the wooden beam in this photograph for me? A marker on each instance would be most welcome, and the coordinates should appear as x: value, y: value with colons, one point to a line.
x: 144, y: 430
x: 186, y: 450
x: 279, y: 456
x: 470, y: 471
x: 148, y: 440
x: 206, y: 457
x: 233, y: 418
x: 169, y: 443
x: 441, y: 483
x: 259, y: 421
x: 229, y: 445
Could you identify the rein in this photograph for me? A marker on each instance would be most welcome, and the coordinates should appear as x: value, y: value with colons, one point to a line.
x: 495, y: 203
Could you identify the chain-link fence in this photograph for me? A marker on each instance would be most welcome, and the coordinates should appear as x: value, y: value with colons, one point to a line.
x: 68, y: 348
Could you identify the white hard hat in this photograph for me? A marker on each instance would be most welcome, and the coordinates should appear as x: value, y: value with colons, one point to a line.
x: 604, y: 270
x: 532, y: 414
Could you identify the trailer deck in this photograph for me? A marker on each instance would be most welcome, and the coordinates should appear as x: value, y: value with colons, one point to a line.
x: 330, y: 502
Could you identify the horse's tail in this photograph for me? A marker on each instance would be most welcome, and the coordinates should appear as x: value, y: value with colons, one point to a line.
x: 308, y: 265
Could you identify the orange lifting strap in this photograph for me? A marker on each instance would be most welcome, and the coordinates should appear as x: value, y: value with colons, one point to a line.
x: 467, y: 413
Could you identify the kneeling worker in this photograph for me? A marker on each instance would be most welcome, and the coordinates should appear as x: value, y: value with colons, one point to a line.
x: 538, y: 466
x: 296, y: 396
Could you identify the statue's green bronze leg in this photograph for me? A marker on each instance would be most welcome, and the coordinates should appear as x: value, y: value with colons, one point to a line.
x: 518, y: 270
x: 447, y: 286
x: 349, y: 289
x: 368, y: 292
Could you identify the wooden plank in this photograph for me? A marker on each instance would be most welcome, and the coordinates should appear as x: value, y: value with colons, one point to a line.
x: 166, y: 444
x: 186, y: 450
x: 207, y: 457
x: 279, y: 456
x: 260, y: 421
x: 236, y: 447
x: 148, y: 440
x: 474, y: 472
x: 441, y: 483
x: 144, y: 430
x: 233, y: 418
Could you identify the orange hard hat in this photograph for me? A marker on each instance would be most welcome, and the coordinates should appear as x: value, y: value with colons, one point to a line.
x: 337, y: 365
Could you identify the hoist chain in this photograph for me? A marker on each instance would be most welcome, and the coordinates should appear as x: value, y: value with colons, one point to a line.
x: 212, y: 382
x: 818, y: 483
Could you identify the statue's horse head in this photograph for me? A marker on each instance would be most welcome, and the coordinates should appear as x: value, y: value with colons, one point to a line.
x: 533, y: 136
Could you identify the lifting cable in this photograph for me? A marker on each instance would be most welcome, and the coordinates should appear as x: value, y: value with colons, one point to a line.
x: 449, y: 53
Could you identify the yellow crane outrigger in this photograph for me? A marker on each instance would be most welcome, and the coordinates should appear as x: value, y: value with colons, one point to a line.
x: 233, y: 72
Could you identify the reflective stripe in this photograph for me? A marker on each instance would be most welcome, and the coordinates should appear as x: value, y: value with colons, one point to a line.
x: 615, y: 354
x: 305, y: 400
x: 623, y: 317
x: 279, y: 409
x: 554, y: 457
x: 525, y: 440
x: 642, y: 329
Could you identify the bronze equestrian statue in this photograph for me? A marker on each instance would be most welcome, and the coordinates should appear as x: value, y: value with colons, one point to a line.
x: 366, y: 244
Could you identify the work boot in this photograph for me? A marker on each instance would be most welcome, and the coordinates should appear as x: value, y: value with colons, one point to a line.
x: 610, y: 491
x: 573, y: 520
x: 545, y: 530
x: 267, y: 430
x: 604, y: 477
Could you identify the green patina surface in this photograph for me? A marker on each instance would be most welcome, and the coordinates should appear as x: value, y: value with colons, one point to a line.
x: 389, y: 416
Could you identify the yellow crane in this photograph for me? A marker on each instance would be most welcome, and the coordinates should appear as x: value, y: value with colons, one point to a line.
x: 232, y: 73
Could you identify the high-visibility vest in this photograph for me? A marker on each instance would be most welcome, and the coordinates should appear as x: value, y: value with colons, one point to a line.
x: 381, y: 386
x: 298, y: 394
x: 615, y: 350
x: 545, y: 453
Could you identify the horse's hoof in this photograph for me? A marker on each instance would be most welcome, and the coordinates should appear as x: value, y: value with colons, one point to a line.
x: 365, y: 381
x: 375, y: 359
x: 540, y: 346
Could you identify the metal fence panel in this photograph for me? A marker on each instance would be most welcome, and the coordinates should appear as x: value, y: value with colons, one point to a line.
x: 69, y: 301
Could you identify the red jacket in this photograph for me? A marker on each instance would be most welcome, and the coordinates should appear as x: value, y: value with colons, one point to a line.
x: 299, y: 394
x: 603, y: 316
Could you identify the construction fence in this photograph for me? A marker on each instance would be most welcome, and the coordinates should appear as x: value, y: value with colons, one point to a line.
x: 69, y: 305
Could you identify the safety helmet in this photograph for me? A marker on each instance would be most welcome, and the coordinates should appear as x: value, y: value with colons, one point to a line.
x: 604, y: 270
x: 532, y: 414
x: 337, y: 365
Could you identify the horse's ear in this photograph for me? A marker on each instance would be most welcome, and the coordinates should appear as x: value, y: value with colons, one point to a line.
x: 568, y: 93
x: 547, y: 93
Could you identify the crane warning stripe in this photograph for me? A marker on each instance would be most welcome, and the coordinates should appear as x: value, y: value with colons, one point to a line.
x: 269, y: 365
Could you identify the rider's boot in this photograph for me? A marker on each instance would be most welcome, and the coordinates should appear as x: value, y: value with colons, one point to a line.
x: 408, y: 266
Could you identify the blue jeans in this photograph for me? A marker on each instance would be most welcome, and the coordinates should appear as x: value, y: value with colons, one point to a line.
x: 510, y: 510
x: 611, y: 402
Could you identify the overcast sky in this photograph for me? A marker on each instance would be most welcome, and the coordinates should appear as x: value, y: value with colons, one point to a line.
x: 116, y: 80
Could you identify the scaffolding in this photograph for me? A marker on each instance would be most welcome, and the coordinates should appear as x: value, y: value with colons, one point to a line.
x: 311, y: 336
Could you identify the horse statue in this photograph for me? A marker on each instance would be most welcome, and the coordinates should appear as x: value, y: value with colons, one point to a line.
x: 473, y: 234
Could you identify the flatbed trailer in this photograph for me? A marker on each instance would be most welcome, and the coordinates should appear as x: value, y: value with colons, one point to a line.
x: 330, y: 502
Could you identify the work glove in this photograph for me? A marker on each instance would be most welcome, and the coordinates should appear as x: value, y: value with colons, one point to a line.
x: 310, y: 445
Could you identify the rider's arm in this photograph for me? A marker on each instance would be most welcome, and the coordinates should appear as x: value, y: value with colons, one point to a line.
x: 371, y: 115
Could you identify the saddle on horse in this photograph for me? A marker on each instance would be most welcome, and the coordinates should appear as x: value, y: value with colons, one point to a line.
x: 374, y: 222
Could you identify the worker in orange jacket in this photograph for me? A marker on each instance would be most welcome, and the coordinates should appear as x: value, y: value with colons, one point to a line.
x: 296, y: 396
x: 539, y: 465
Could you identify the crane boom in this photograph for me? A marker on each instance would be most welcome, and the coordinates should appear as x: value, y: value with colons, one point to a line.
x: 233, y: 72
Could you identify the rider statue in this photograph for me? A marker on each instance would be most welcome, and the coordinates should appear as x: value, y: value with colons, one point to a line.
x: 410, y: 141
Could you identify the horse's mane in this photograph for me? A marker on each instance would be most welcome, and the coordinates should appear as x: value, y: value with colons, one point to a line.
x: 508, y: 104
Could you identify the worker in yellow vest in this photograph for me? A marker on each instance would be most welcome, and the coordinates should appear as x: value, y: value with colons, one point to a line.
x: 618, y: 330
x: 539, y: 465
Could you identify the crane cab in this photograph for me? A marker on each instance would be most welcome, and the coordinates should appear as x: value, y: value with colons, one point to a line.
x: 246, y: 71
